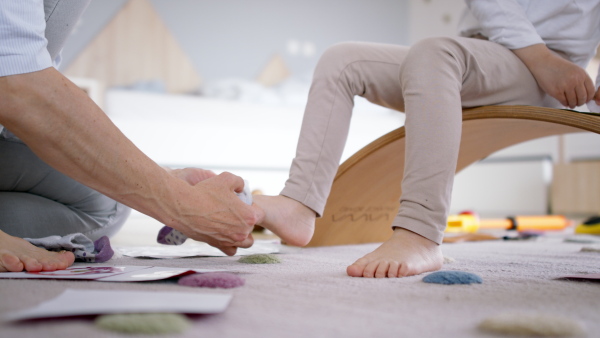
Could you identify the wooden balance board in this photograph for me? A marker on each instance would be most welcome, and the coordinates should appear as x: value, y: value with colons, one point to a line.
x: 366, y: 191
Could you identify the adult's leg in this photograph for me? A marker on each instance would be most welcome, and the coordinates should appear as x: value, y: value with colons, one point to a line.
x: 439, y: 77
x: 37, y: 201
x: 345, y: 70
x: 16, y: 254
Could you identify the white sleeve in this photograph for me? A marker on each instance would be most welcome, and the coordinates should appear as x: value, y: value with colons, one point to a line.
x: 504, y: 22
x: 23, y: 45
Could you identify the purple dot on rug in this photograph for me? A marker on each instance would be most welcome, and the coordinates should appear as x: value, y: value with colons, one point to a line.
x: 223, y: 280
x: 103, y: 249
x: 452, y: 277
x: 162, y: 235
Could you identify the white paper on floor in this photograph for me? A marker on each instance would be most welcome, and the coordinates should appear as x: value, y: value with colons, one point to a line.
x: 195, y: 249
x: 95, y: 302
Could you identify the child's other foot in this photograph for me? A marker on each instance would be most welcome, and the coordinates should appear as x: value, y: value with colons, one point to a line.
x: 289, y: 219
x: 404, y: 254
x: 16, y: 254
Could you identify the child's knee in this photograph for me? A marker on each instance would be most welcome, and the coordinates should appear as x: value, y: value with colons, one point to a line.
x: 337, y: 57
x: 431, y: 57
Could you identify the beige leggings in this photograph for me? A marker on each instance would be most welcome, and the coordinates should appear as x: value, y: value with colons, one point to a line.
x: 431, y: 82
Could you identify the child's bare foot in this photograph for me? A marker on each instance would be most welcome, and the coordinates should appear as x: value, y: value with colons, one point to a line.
x: 16, y: 254
x: 289, y: 219
x: 404, y: 254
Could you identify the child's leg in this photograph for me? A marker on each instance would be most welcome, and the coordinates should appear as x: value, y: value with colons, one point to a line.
x: 344, y: 70
x: 431, y: 82
x: 439, y: 77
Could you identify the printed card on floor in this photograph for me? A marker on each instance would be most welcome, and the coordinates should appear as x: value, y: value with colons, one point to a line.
x: 98, y: 302
x: 197, y: 249
x: 584, y: 276
x: 108, y: 273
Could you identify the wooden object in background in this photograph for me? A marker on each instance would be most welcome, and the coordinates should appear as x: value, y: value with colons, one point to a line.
x: 576, y: 188
x: 136, y: 46
x: 274, y: 72
x: 366, y: 190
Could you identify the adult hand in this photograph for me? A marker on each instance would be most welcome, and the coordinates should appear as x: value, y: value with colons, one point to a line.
x: 227, y: 221
x: 561, y: 79
x: 68, y: 131
x: 191, y: 175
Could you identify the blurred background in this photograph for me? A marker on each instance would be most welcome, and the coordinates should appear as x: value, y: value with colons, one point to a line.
x: 222, y: 85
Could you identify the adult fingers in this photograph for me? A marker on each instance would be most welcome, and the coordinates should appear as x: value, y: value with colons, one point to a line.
x: 232, y: 181
x: 200, y: 174
x: 245, y: 243
x: 193, y: 175
x: 228, y: 250
x: 231, y: 249
x: 252, y: 214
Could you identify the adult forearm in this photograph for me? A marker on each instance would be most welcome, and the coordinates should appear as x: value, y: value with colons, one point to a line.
x: 69, y: 132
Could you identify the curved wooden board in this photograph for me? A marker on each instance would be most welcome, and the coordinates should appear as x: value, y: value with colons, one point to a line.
x: 365, y: 194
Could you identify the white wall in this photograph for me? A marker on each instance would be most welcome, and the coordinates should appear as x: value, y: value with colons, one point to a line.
x: 503, y: 188
x: 434, y: 18
x: 254, y: 141
x: 237, y: 38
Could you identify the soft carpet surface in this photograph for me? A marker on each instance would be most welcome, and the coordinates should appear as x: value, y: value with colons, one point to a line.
x: 310, y: 295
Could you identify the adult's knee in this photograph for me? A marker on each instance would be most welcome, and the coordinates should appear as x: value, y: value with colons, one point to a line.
x: 29, y: 215
x: 118, y: 217
x: 103, y: 216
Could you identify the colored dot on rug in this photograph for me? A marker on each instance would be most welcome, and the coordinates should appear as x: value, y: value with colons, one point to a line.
x: 260, y: 259
x: 541, y: 325
x: 222, y: 280
x: 591, y: 248
x: 449, y: 260
x: 144, y: 323
x: 452, y: 277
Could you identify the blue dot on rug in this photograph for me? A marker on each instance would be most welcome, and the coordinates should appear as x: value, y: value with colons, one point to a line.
x: 222, y: 280
x: 452, y: 277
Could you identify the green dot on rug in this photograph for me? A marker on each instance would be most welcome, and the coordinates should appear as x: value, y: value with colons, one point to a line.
x: 143, y: 323
x: 540, y: 325
x: 260, y: 259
